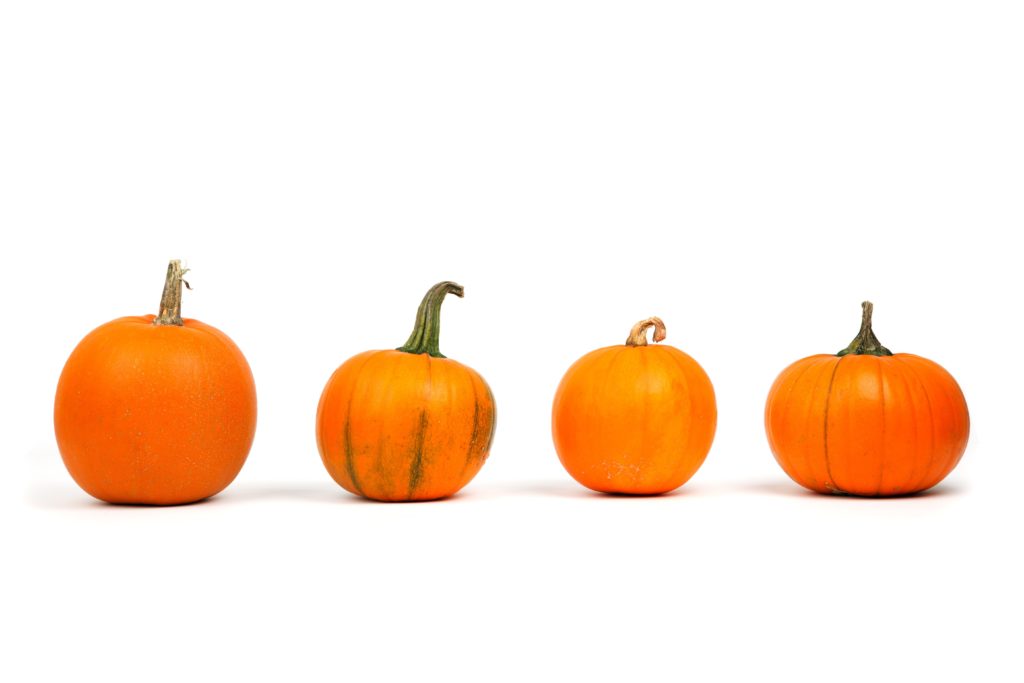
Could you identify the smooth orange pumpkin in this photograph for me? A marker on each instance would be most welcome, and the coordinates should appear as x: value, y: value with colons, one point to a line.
x: 156, y: 410
x: 866, y: 421
x: 635, y: 418
x: 406, y: 424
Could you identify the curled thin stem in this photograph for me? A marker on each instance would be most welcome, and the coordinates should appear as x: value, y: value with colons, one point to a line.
x: 638, y: 335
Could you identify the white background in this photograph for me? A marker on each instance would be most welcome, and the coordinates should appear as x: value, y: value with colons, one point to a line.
x: 749, y: 171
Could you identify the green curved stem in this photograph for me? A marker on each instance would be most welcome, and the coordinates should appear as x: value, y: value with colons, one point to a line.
x: 866, y: 343
x: 427, y: 331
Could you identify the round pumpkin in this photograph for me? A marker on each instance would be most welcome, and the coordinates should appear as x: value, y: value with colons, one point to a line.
x: 635, y: 418
x: 156, y: 410
x: 866, y: 421
x: 406, y: 424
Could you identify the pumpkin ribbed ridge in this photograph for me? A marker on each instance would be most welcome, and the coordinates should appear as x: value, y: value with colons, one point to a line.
x: 635, y: 419
x: 155, y: 410
x: 395, y: 426
x: 881, y: 426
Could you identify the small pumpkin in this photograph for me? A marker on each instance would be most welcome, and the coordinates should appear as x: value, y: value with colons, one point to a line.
x: 866, y: 421
x: 156, y: 410
x: 406, y: 424
x: 634, y: 418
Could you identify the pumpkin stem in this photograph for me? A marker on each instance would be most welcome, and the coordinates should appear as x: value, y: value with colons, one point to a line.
x: 170, y: 302
x: 866, y: 343
x: 638, y: 335
x: 427, y: 331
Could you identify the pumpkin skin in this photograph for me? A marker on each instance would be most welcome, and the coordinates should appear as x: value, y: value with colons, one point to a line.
x: 157, y: 414
x: 867, y: 425
x: 398, y: 425
x: 634, y: 419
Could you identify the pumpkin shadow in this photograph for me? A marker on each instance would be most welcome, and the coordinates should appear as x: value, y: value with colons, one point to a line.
x: 54, y: 497
x: 794, y: 490
x: 328, y: 493
x: 569, y: 490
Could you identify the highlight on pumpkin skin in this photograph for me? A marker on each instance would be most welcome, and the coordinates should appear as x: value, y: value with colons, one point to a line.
x: 866, y: 421
x: 635, y: 418
x: 406, y: 424
x: 155, y: 409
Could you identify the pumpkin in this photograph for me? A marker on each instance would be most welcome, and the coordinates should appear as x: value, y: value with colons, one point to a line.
x: 635, y: 418
x: 866, y: 421
x: 406, y: 424
x: 157, y: 410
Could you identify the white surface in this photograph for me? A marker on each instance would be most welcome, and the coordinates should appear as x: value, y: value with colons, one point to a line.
x: 748, y: 171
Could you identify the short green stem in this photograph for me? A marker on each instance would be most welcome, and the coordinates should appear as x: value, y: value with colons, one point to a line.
x: 427, y: 331
x: 866, y: 343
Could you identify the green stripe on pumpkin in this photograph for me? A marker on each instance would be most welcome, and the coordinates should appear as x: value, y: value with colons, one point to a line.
x: 349, y: 464
x: 416, y: 470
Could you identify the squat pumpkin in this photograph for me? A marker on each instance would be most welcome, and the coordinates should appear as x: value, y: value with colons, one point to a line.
x: 406, y: 424
x: 866, y: 421
x: 155, y: 410
x: 634, y: 418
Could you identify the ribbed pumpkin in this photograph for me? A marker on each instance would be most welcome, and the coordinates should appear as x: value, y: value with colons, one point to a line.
x: 155, y: 410
x: 635, y: 419
x: 406, y: 424
x: 866, y: 421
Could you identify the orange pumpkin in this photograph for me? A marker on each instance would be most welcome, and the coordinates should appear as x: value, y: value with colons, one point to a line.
x: 634, y: 418
x: 155, y: 410
x: 406, y: 424
x: 866, y: 421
